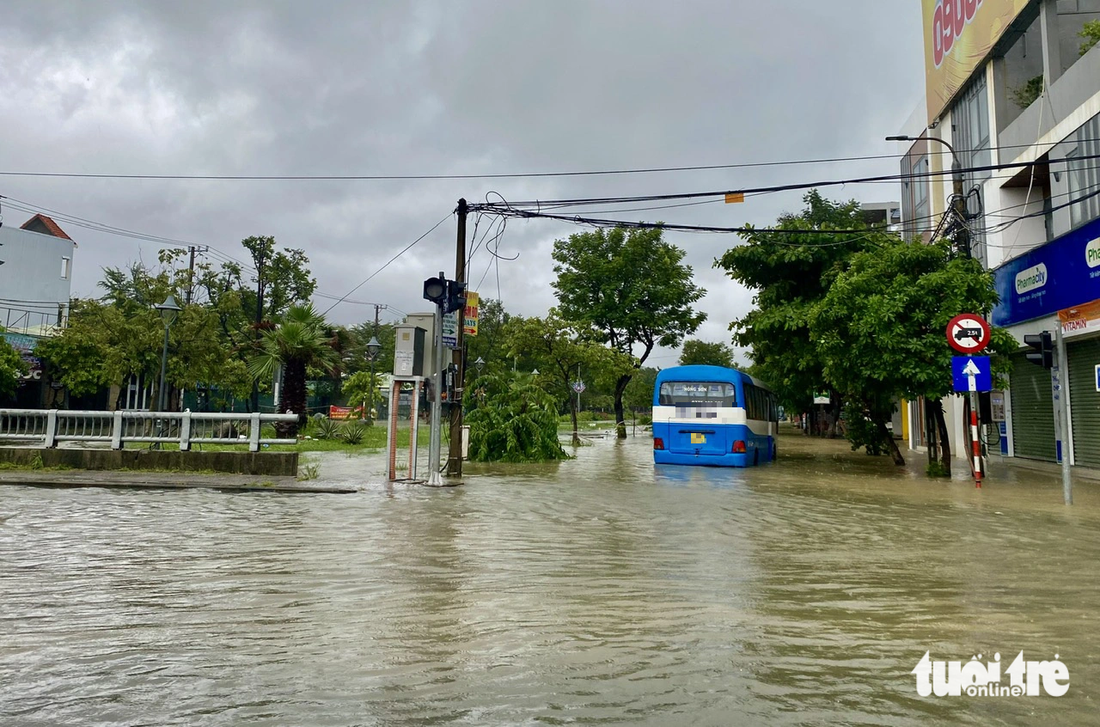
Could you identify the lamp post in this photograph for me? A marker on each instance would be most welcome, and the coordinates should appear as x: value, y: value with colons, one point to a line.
x: 168, y: 310
x: 480, y: 363
x: 957, y: 183
x: 373, y: 347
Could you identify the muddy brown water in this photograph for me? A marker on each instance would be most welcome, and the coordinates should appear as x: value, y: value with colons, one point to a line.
x: 600, y: 590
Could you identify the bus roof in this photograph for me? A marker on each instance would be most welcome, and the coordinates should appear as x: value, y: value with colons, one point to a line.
x: 706, y: 373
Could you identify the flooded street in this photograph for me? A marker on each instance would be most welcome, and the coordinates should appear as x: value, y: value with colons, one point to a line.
x: 598, y: 590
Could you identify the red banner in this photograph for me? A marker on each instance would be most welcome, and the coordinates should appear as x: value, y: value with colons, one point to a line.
x: 345, y: 412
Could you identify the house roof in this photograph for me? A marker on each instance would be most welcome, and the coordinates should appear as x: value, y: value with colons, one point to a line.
x: 46, y: 226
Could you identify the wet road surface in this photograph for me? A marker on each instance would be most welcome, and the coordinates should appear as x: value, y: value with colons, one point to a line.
x: 600, y: 590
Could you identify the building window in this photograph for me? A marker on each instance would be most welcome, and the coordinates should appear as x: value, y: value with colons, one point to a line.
x: 66, y: 265
x: 970, y: 137
x: 915, y: 206
x: 1083, y: 174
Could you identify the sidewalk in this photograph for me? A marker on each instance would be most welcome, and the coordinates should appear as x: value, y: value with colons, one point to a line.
x: 165, y: 481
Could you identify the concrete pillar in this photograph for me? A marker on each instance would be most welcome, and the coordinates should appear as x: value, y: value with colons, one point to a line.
x: 1052, y: 53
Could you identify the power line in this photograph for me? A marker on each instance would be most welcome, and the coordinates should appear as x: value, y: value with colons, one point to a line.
x: 444, y: 177
x: 388, y: 262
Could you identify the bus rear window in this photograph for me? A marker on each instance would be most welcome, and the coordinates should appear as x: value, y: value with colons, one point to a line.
x: 697, y: 393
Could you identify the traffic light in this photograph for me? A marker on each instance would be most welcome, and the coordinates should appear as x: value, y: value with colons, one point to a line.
x: 435, y: 290
x: 1043, y: 353
x: 456, y: 296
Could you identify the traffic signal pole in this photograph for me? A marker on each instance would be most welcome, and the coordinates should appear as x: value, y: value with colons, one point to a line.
x: 1063, y: 411
x: 454, y: 459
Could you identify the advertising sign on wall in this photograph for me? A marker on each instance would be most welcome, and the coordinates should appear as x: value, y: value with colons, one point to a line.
x: 958, y: 35
x: 1057, y: 276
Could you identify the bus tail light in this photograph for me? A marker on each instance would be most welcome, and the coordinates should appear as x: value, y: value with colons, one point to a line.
x: 658, y: 443
x: 739, y: 447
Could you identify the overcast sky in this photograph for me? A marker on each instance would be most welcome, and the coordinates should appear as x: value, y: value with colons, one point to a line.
x: 422, y: 88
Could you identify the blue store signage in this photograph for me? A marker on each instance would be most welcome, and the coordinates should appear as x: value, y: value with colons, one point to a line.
x: 1058, y: 275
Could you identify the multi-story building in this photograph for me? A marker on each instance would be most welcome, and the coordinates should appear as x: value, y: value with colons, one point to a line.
x: 1013, y: 88
x: 35, y: 285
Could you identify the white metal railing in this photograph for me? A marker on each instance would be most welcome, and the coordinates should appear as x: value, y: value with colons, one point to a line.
x: 118, y: 428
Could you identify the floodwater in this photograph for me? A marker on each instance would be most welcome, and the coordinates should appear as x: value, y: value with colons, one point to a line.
x: 600, y: 590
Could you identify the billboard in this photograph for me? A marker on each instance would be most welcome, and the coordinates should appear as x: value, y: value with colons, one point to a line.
x: 958, y: 35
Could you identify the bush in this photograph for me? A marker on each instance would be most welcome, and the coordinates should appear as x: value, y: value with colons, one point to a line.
x: 1091, y: 34
x: 1027, y: 94
x: 327, y: 429
x: 353, y: 433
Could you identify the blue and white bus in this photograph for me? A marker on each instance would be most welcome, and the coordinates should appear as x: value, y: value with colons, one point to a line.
x: 713, y: 416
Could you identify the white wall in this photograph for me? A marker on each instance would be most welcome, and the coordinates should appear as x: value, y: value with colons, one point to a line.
x: 31, y: 279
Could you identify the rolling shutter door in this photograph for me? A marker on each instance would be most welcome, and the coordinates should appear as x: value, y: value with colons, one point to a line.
x: 1084, y: 401
x: 1032, y: 411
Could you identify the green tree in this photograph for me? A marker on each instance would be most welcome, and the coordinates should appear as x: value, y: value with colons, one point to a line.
x: 301, y: 340
x: 558, y: 349
x: 638, y: 396
x: 706, y: 354
x: 879, y: 333
x: 632, y: 289
x: 490, y: 342
x: 790, y: 270
x: 12, y: 366
x: 511, y: 419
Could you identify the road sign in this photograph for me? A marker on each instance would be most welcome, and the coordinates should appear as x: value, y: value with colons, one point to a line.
x: 1097, y: 374
x: 972, y: 373
x: 450, y: 329
x: 968, y: 333
x: 578, y: 386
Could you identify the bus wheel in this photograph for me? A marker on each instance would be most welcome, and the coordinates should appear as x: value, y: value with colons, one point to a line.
x: 756, y: 456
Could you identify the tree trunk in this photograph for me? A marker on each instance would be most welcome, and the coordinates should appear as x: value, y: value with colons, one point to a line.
x: 294, y: 396
x: 891, y: 443
x: 620, y: 415
x: 945, y: 440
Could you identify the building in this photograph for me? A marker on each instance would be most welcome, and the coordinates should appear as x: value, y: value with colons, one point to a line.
x: 1013, y: 88
x: 35, y: 285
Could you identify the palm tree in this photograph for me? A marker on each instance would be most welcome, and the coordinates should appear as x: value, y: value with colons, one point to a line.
x: 298, y: 342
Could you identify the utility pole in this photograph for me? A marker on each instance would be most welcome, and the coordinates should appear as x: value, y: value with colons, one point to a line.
x: 259, y: 319
x: 191, y: 270
x: 454, y: 459
x: 1062, y: 392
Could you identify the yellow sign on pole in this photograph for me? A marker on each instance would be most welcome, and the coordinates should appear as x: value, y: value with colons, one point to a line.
x: 473, y: 300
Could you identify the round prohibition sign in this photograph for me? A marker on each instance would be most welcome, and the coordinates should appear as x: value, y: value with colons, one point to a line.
x: 968, y: 333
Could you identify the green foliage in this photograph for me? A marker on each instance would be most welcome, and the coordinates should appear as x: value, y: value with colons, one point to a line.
x: 358, y: 388
x: 299, y: 342
x: 631, y: 289
x: 326, y: 429
x: 862, y: 430
x: 309, y: 472
x: 638, y: 395
x: 702, y: 353
x: 511, y: 419
x: 936, y: 469
x: 790, y: 271
x: 1027, y: 94
x: 353, y: 433
x: 1091, y: 33
x: 12, y: 366
x: 491, y: 342
x: 879, y: 331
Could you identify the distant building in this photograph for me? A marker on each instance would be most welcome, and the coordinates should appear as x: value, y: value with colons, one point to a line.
x: 35, y: 286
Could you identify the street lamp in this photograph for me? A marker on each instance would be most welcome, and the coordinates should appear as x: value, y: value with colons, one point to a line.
x: 957, y: 183
x: 480, y: 363
x: 168, y: 310
x: 373, y: 347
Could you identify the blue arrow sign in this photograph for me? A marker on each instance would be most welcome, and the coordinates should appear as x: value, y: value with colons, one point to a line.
x: 972, y: 373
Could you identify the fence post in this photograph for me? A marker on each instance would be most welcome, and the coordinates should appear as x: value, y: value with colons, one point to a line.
x: 254, y: 433
x: 116, y: 430
x: 51, y: 429
x: 185, y: 431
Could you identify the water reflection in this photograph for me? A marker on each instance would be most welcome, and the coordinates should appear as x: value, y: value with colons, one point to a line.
x: 600, y: 589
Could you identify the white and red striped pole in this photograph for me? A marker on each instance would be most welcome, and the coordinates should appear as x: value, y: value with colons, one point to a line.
x: 976, y: 446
